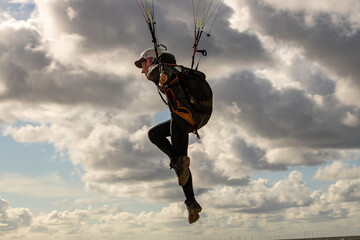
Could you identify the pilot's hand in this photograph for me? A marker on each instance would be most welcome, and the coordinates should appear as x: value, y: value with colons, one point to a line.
x: 163, y: 79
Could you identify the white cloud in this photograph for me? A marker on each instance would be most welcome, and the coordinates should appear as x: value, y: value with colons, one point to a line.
x: 260, y: 206
x: 334, y: 54
x: 347, y: 190
x: 22, y: 1
x: 113, y: 141
x: 72, y: 219
x: 28, y: 133
x: 260, y: 197
x: 346, y: 92
x: 342, y: 7
x: 66, y: 49
x: 300, y: 156
x: 351, y: 120
x: 71, y: 13
x: 337, y: 171
x: 284, y: 76
x: 13, y: 218
x: 47, y: 187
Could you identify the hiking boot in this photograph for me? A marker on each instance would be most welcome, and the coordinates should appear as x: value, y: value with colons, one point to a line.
x: 181, y: 168
x: 194, y: 209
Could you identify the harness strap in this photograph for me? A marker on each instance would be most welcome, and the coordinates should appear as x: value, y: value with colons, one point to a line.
x: 162, y: 98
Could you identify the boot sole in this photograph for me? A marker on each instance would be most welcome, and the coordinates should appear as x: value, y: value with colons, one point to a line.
x: 195, y: 215
x: 194, y: 219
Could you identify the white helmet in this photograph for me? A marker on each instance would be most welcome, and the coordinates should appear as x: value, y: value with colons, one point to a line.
x: 148, y: 55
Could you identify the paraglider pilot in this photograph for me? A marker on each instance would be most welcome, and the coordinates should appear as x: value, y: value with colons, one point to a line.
x: 177, y: 128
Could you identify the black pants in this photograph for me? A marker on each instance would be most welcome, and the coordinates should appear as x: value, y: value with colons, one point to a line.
x: 178, y: 146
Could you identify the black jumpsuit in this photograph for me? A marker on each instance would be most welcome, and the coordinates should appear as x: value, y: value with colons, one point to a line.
x: 178, y: 130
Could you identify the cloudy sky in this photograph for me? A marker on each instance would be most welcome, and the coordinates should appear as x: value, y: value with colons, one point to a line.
x: 279, y: 159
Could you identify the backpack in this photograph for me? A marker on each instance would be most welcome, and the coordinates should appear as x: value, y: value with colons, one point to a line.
x: 198, y: 93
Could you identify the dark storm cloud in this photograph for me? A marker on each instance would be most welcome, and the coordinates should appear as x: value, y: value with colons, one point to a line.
x: 333, y: 43
x: 313, y: 82
x: 29, y: 74
x: 61, y: 87
x: 20, y: 46
x: 286, y: 117
x: 224, y: 43
x: 105, y: 25
x: 14, y: 78
x: 103, y: 28
x: 251, y: 156
x: 23, y: 72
